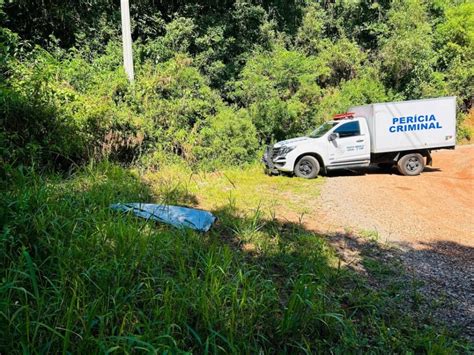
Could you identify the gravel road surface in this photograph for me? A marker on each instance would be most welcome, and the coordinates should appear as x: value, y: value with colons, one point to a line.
x: 430, y: 218
x: 437, y: 205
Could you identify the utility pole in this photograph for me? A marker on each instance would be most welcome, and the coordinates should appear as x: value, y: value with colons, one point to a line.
x: 127, y: 40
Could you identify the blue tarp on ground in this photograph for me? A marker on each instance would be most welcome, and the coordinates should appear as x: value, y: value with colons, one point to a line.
x: 180, y: 217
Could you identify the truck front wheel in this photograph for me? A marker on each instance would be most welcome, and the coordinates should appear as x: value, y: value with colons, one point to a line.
x: 411, y: 164
x: 307, y: 167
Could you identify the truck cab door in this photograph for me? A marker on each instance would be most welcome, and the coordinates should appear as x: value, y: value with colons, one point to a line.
x: 349, y: 144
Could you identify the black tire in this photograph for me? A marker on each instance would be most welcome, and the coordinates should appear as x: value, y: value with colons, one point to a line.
x: 411, y: 164
x: 307, y: 167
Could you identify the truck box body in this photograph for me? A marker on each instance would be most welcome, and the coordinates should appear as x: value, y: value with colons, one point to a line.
x: 410, y: 125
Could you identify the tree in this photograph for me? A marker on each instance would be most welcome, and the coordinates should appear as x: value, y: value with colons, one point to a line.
x: 280, y: 89
x: 455, y: 43
x: 407, y: 54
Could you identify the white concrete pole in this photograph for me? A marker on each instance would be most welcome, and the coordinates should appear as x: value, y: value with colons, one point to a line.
x: 127, y: 40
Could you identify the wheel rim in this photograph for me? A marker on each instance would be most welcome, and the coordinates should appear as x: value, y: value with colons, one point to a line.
x: 413, y: 164
x: 305, y: 168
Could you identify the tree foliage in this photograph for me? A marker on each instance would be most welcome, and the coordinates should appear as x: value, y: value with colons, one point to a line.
x: 407, y: 55
x: 215, y: 79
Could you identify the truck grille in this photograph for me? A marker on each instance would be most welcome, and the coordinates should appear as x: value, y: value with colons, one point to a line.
x: 274, y: 152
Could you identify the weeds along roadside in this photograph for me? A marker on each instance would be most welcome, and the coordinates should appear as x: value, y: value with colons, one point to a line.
x: 76, y: 276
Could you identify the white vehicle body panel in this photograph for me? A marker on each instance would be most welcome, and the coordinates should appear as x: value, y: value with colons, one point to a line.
x: 349, y: 149
x: 338, y: 152
x: 410, y: 125
x: 304, y: 146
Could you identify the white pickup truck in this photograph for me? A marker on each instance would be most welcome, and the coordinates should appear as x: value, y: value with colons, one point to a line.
x: 385, y: 134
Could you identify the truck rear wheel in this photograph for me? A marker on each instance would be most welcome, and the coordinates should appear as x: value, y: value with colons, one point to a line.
x: 307, y: 167
x: 411, y: 164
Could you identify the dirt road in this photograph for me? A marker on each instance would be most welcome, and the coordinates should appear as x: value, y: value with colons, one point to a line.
x: 428, y: 218
x: 436, y: 206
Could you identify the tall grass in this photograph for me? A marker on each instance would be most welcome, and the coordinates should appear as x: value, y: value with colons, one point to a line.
x: 78, y: 277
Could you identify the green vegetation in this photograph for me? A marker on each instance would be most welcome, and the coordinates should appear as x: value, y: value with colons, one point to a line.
x: 247, y: 190
x: 215, y: 82
x: 79, y: 277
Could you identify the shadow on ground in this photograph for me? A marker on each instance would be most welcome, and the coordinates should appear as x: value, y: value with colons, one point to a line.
x: 440, y: 275
x: 434, y: 283
x: 373, y: 170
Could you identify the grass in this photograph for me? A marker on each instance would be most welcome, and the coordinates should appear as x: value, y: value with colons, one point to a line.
x: 77, y: 277
x: 247, y: 189
x: 369, y: 234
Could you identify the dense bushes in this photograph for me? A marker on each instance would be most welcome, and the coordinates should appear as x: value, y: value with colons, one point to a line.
x: 280, y: 89
x: 33, y: 132
x: 227, y: 138
x: 72, y: 110
x: 214, y: 81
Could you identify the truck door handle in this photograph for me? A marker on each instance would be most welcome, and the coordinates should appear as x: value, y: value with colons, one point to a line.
x: 360, y: 141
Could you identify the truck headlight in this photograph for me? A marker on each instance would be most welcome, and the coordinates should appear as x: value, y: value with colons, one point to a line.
x: 285, y: 150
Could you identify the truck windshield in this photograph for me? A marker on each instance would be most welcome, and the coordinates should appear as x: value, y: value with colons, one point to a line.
x: 323, y: 129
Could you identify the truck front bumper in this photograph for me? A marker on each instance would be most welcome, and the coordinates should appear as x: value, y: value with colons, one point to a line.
x: 267, y: 161
x: 275, y: 165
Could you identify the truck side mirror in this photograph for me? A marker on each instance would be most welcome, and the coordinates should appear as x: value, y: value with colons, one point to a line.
x: 333, y: 137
